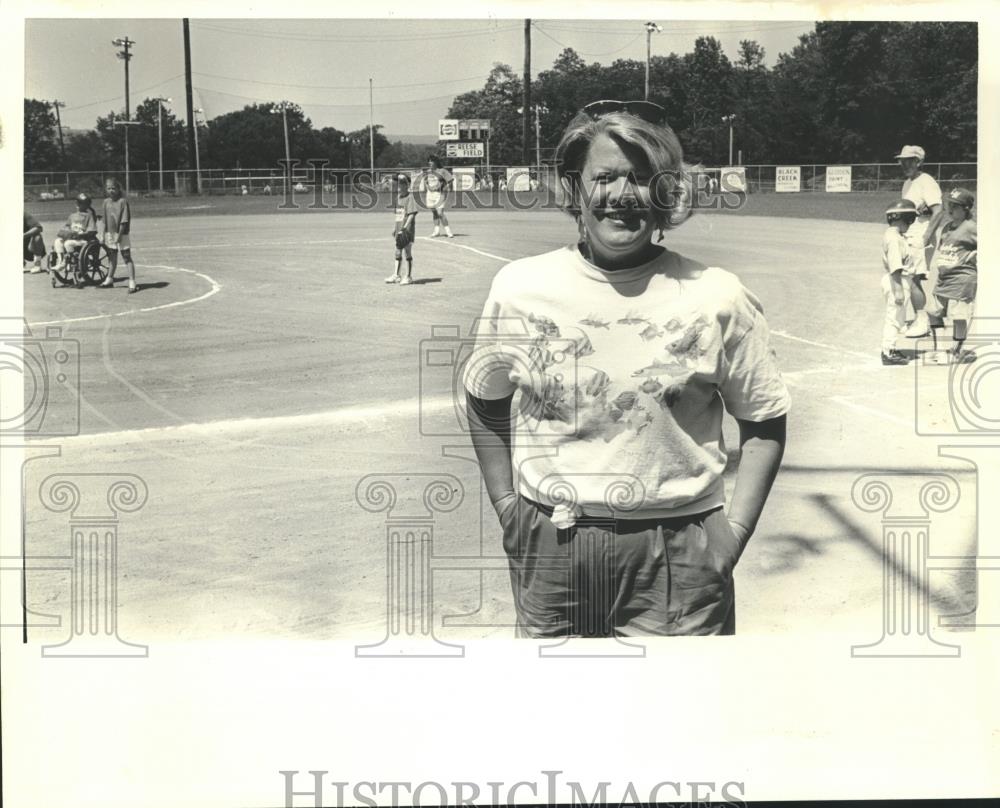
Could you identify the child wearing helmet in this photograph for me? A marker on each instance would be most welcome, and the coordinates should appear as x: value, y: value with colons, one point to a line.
x: 80, y: 227
x: 955, y: 261
x: 402, y: 233
x: 897, y: 261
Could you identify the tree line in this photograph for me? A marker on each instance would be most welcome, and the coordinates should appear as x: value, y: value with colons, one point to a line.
x: 847, y: 92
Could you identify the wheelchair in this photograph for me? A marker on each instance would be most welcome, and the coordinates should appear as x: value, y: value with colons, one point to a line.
x: 89, y: 264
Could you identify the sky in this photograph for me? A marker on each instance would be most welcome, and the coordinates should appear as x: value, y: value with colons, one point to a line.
x: 417, y: 66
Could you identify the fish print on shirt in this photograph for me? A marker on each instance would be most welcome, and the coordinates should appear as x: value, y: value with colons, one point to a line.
x: 650, y: 332
x: 596, y: 322
x: 544, y: 325
x: 632, y: 318
x: 598, y: 411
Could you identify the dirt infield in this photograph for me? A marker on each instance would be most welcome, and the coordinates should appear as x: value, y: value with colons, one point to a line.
x: 264, y: 370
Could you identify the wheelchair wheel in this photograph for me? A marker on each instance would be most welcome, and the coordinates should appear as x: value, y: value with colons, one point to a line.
x: 60, y: 277
x: 95, y: 263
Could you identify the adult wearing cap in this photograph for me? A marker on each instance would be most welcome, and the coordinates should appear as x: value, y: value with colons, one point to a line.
x: 921, y: 189
x: 956, y: 269
x: 625, y: 355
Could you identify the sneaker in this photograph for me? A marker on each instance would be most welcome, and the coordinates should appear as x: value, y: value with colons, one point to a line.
x: 963, y: 357
x: 894, y: 358
x: 406, y: 281
x: 921, y: 326
x: 36, y: 270
x: 392, y: 279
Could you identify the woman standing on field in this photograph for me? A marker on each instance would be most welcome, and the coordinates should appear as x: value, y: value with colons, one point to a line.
x: 625, y: 355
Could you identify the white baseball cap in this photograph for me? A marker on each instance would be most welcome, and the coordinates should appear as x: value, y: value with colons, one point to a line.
x: 911, y: 151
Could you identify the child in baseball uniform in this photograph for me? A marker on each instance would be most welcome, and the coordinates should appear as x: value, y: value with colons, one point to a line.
x: 406, y: 217
x: 436, y: 182
x: 897, y: 261
x: 117, y: 227
x: 956, y: 268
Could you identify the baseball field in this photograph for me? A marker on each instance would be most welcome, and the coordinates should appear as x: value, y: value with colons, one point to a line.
x: 264, y: 370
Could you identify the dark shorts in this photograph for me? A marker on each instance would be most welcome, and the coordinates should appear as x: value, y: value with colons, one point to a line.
x: 609, y: 577
x: 34, y: 248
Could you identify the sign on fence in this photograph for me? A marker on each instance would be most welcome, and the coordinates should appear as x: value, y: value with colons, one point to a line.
x: 518, y: 178
x: 788, y: 179
x: 838, y: 179
x: 464, y: 150
x: 733, y: 178
x: 465, y: 178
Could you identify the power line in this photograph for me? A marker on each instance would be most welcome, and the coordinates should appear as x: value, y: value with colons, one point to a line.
x: 330, y: 106
x: 543, y: 32
x: 741, y: 27
x: 359, y: 38
x: 338, y: 87
x: 117, y: 97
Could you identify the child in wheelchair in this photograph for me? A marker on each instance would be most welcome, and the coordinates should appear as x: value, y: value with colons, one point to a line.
x: 80, y: 228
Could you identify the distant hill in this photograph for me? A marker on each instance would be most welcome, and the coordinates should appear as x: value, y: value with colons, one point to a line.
x: 419, y: 140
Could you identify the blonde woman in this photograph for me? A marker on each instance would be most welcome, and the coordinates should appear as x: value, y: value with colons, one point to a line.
x: 624, y: 354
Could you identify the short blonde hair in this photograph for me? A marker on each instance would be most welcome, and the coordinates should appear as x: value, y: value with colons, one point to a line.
x: 672, y: 185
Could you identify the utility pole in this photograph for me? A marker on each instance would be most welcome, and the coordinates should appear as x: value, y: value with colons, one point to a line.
x: 526, y: 96
x: 125, y: 43
x: 538, y: 143
x: 62, y: 147
x: 282, y: 108
x: 371, y: 130
x: 192, y: 131
x: 651, y: 28
x: 729, y: 119
x: 197, y: 156
x: 159, y: 134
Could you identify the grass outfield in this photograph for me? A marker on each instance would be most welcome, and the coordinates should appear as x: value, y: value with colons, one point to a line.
x: 853, y: 207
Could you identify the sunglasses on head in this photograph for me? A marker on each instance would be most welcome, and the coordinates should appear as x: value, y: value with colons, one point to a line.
x: 647, y: 110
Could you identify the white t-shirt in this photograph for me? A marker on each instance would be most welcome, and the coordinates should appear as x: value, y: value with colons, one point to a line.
x: 434, y: 183
x: 924, y: 192
x: 623, y: 377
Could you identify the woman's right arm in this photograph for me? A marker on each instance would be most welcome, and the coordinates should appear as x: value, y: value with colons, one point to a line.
x: 489, y: 428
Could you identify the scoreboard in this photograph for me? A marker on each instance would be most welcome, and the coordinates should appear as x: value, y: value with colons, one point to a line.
x: 472, y: 129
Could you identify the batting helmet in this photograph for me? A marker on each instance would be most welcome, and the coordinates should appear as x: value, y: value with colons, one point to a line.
x: 901, y: 208
x: 83, y: 198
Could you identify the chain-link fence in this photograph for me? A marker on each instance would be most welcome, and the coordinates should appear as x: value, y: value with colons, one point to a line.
x: 864, y: 178
x: 271, y: 180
